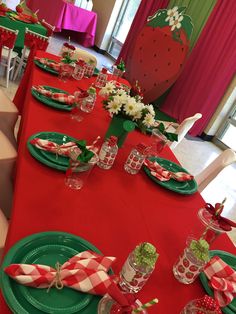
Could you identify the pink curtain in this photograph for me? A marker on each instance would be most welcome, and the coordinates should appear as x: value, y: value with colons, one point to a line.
x: 208, y: 71
x: 146, y: 8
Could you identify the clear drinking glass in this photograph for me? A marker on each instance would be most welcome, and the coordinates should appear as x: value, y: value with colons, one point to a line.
x: 65, y: 71
x: 108, y: 306
x: 78, y: 173
x: 89, y: 70
x: 188, y: 266
x: 158, y: 142
x: 117, y: 72
x: 78, y: 72
x: 87, y: 104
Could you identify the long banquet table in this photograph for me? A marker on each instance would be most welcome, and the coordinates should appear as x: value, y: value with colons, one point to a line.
x: 67, y: 16
x: 114, y: 211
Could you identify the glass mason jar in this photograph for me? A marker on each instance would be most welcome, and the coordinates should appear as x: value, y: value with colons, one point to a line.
x: 117, y: 72
x: 158, y: 142
x: 212, y: 228
x: 188, y: 266
x: 78, y: 71
x: 108, y: 152
x: 135, y: 159
x: 133, y: 277
x: 87, y: 104
x: 89, y: 70
x: 108, y: 306
x: 101, y: 78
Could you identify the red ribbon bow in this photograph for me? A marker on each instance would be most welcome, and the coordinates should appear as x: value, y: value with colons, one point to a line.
x: 216, y: 211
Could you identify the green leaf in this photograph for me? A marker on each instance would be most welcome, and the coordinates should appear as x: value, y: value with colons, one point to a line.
x: 187, y: 26
x: 158, y: 19
x: 181, y: 9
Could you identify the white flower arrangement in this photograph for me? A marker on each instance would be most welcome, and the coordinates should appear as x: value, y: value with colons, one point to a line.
x: 119, y: 102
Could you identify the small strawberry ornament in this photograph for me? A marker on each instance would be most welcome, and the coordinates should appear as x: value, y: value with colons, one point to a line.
x: 159, y: 52
x: 19, y: 8
x: 34, y: 18
x: 3, y: 7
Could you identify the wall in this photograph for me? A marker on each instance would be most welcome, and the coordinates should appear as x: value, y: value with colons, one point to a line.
x: 107, y: 12
x: 223, y: 109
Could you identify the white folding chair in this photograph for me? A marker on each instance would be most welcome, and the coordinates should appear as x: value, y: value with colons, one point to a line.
x: 180, y: 129
x: 31, y: 40
x: 8, y: 157
x: 3, y: 232
x: 226, y: 158
x: 8, y: 117
x: 8, y: 56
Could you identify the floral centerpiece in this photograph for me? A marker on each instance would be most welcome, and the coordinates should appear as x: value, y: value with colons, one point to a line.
x: 119, y: 102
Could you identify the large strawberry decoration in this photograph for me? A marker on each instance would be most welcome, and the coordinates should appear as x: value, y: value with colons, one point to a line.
x: 159, y: 52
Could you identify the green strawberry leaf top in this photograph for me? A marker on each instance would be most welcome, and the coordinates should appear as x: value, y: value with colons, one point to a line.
x: 145, y: 255
x: 175, y: 19
x: 200, y: 249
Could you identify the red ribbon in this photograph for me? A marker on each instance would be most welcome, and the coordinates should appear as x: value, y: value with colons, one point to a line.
x: 216, y: 211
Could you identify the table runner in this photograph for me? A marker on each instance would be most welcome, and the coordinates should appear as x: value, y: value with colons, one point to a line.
x: 114, y: 211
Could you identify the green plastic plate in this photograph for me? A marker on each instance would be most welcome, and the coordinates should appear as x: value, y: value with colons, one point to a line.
x: 186, y: 187
x: 50, y: 102
x: 46, y: 248
x: 230, y: 259
x: 45, y: 67
x: 50, y: 159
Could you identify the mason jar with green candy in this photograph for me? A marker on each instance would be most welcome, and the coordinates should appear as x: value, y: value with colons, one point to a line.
x: 138, y: 267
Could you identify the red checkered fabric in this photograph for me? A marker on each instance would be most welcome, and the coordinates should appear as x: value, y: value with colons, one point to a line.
x: 222, y: 278
x: 163, y: 174
x: 86, y: 272
x: 54, y: 65
x: 60, y: 97
x: 63, y: 150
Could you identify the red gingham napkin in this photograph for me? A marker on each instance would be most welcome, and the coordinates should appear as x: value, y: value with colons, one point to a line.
x: 60, y: 97
x: 63, y: 150
x: 86, y: 272
x: 222, y: 279
x: 165, y: 175
x: 54, y: 65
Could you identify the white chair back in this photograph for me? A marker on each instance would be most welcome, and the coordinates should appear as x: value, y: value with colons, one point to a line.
x: 8, y: 157
x: 226, y: 158
x: 184, y: 127
x: 3, y: 232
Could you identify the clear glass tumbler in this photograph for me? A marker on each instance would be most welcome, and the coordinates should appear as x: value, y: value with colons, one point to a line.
x: 65, y: 71
x: 158, y: 142
x: 108, y: 306
x: 77, y: 174
x: 188, y: 266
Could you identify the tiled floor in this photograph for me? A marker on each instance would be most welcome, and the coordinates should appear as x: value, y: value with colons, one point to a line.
x: 193, y: 155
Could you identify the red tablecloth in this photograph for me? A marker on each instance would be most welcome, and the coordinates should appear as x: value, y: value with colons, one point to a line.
x: 67, y: 16
x: 115, y: 210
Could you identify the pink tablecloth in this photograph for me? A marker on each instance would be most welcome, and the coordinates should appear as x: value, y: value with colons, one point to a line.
x: 67, y: 16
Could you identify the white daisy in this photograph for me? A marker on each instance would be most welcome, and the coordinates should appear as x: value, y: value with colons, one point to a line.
x: 130, y: 107
x: 107, y: 89
x: 148, y: 120
x: 172, y: 14
x: 114, y: 107
x: 150, y: 109
x: 175, y: 23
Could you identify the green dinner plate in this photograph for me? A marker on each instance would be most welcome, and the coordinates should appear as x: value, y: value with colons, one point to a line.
x: 49, y: 101
x: 46, y: 248
x: 45, y: 67
x: 50, y: 159
x: 230, y: 259
x: 186, y: 187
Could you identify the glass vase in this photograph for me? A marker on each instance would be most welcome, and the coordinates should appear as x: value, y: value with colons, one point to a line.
x: 188, y: 266
x: 65, y: 71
